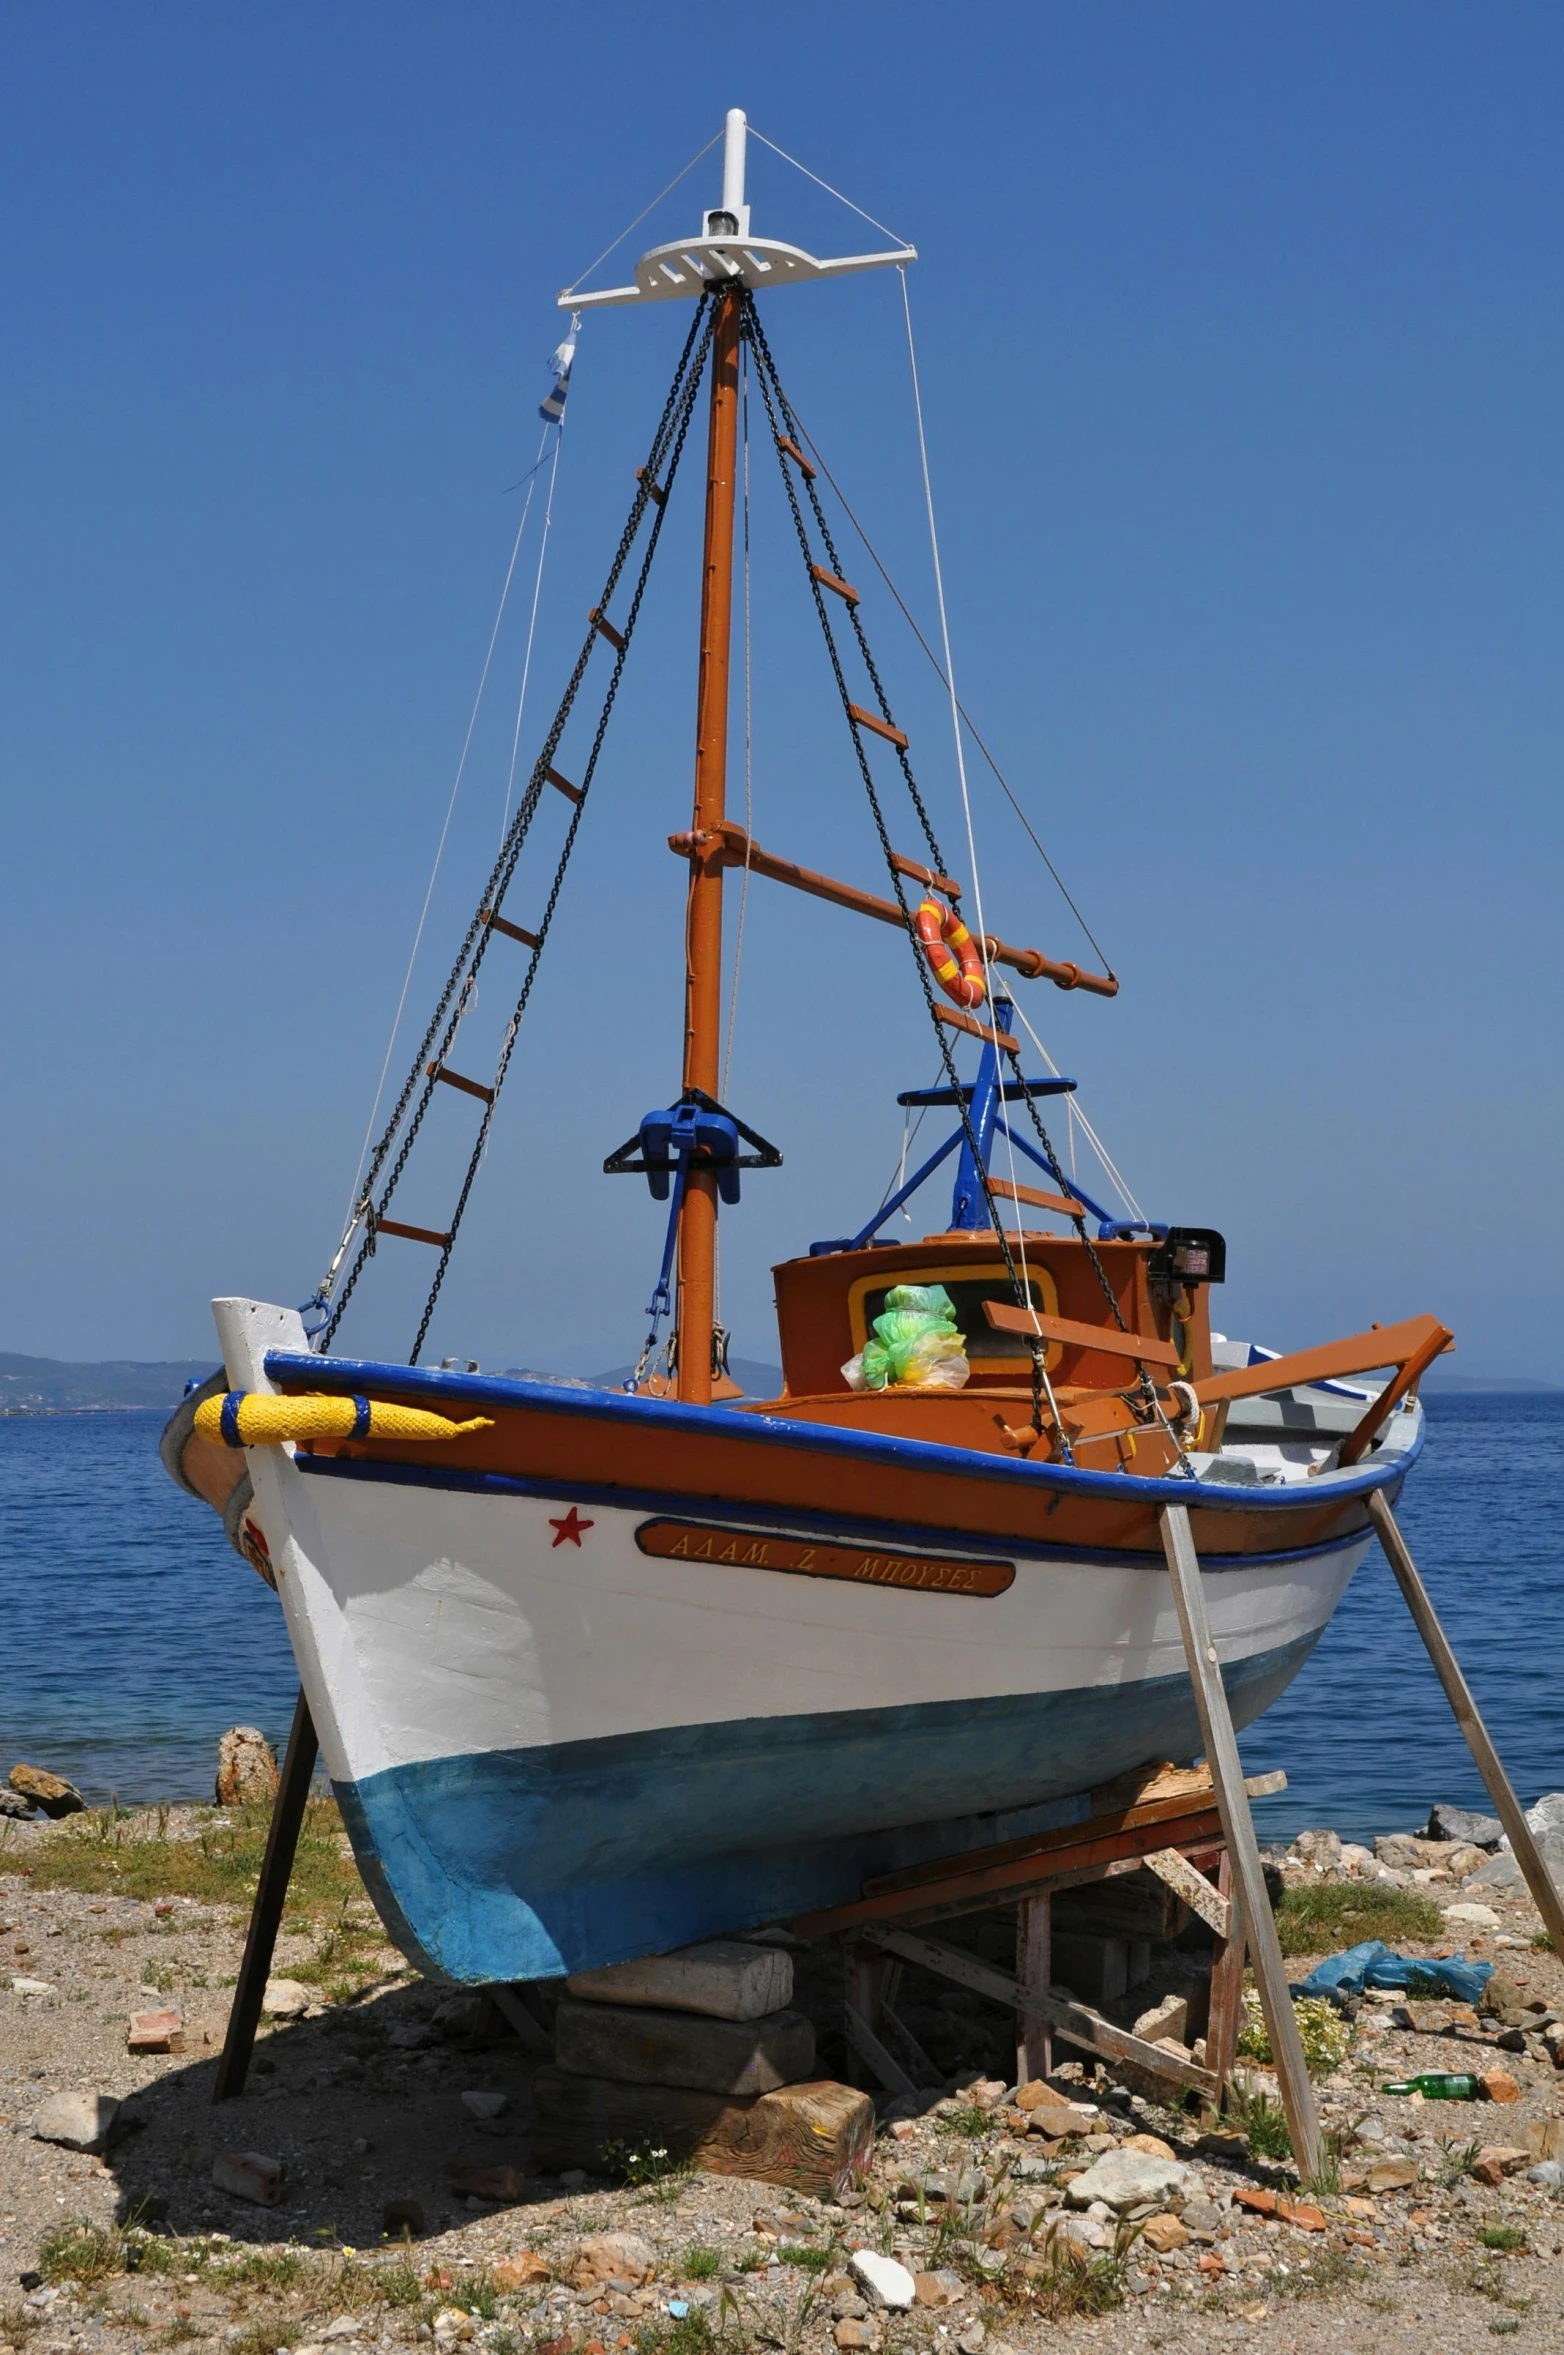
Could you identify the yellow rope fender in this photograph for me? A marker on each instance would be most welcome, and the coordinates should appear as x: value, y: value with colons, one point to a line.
x: 263, y: 1418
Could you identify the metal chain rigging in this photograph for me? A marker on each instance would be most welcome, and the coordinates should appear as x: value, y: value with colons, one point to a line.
x: 654, y: 482
x: 776, y: 402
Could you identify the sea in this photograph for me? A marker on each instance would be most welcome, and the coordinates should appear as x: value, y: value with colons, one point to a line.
x: 130, y: 1635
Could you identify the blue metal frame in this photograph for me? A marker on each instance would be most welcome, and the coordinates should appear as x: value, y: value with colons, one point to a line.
x: 986, y: 1098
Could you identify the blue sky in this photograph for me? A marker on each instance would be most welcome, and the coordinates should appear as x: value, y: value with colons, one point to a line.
x: 1241, y: 353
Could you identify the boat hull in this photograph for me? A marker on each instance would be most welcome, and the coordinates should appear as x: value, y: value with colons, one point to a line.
x: 555, y: 1748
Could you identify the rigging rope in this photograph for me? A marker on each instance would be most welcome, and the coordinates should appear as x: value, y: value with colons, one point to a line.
x: 667, y: 444
x: 532, y: 622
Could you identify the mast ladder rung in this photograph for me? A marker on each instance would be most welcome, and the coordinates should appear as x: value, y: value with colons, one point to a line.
x: 654, y: 489
x: 872, y: 720
x: 577, y: 793
x: 394, y: 1226
x: 919, y: 873
x: 790, y: 449
x: 996, y: 1038
x: 454, y: 1079
x: 834, y: 582
x: 528, y: 940
x: 1035, y: 1197
x: 605, y: 629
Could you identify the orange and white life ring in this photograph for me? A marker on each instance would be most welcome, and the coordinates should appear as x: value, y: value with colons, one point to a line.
x: 952, y: 952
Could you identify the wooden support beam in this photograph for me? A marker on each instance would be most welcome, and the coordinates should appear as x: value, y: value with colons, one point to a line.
x: 528, y: 940
x: 271, y: 1890
x: 605, y: 629
x: 1361, y: 1438
x: 835, y: 583
x: 1183, y: 1878
x: 1221, y: 1749
x: 1506, y: 1806
x: 1035, y: 1197
x: 790, y: 449
x: 454, y: 1079
x: 1077, y: 2023
x: 975, y: 1029
x: 1224, y: 2023
x: 1360, y: 1353
x: 878, y: 727
x: 575, y: 793
x: 1034, y: 1968
x: 878, y: 2059
x: 1036, y: 1326
x: 394, y: 1226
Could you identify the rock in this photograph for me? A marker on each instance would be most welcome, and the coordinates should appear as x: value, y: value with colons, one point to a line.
x: 1256, y: 2199
x: 481, y: 2179
x: 1499, y: 2086
x: 1163, y: 2233
x: 246, y: 1768
x: 1391, y: 2175
x: 452, y: 2325
x: 1152, y: 2143
x: 1465, y: 1859
x: 970, y: 2338
x: 1168, y: 2018
x: 1303, y: 2216
x: 1503, y: 1999
x: 1123, y: 2178
x: 156, y: 2032
x: 33, y: 1987
x: 51, y: 1792
x: 644, y: 2046
x: 344, y: 2326
x: 942, y: 2288
x: 79, y: 2121
x: 851, y: 2335
x: 613, y: 2256
x: 515, y: 2273
x: 287, y: 1999
x: 1500, y: 1873
x: 1546, y: 1819
x: 1353, y: 1858
x: 1508, y: 2158
x: 1544, y: 2138
x: 887, y: 2281
x: 249, y: 2175
x: 483, y: 2104
x: 402, y: 2216
x: 1322, y: 1849
x: 17, y: 1806
x: 1456, y: 1823
x: 1472, y: 1917
x: 1402, y: 1851
x: 723, y: 1979
x: 1548, y: 2173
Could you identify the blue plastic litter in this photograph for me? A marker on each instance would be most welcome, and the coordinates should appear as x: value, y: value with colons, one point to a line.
x: 1374, y: 1964
x: 678, y: 2308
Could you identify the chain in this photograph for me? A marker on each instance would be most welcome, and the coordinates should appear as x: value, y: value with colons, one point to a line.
x: 774, y: 398
x: 669, y: 435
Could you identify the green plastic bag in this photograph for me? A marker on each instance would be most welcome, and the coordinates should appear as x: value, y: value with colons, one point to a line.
x: 915, y: 1344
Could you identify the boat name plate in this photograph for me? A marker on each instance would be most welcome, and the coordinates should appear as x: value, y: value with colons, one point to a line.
x: 749, y: 1549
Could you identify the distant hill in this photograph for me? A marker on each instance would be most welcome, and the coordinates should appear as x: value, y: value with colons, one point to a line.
x: 755, y: 1379
x: 56, y: 1386
x: 1496, y: 1382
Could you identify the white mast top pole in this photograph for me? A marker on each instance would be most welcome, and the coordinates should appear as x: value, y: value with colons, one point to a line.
x: 733, y: 163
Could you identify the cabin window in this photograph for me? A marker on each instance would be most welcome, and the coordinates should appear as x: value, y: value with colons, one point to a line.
x: 987, y: 1351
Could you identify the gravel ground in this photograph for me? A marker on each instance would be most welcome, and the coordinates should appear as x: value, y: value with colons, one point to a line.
x: 362, y: 2104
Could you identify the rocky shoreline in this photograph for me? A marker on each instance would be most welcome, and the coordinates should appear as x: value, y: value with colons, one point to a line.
x: 375, y: 2186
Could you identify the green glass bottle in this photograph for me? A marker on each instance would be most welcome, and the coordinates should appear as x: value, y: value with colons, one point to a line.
x: 1436, y: 2086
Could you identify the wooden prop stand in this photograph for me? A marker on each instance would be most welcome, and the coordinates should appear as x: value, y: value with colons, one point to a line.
x: 271, y: 1890
x: 1506, y: 1806
x: 703, y: 930
x: 1221, y: 1744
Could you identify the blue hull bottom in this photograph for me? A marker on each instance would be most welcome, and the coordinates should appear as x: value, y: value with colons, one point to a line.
x: 523, y: 1864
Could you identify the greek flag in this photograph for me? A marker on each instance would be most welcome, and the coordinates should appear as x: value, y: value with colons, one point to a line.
x: 553, y: 409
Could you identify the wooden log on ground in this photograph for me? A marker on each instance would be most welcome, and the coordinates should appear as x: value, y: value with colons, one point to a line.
x: 724, y: 1978
x: 639, y: 2046
x: 814, y: 2138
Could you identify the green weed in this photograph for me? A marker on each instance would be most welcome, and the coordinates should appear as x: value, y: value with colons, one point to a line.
x: 109, y: 1851
x: 691, y: 2334
x: 807, y: 2259
x: 969, y: 2119
x: 1319, y: 1918
x: 1263, y: 2121
x: 1504, y: 2237
x: 699, y: 2264
x: 78, y: 2251
x: 1457, y: 2160
x: 1062, y: 2282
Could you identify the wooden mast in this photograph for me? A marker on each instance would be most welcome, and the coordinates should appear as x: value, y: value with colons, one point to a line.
x: 703, y: 921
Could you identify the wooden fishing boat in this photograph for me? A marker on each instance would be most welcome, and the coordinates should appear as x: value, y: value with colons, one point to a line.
x: 599, y: 1671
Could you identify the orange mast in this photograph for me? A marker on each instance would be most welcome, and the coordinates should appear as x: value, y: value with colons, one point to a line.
x: 703, y: 921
